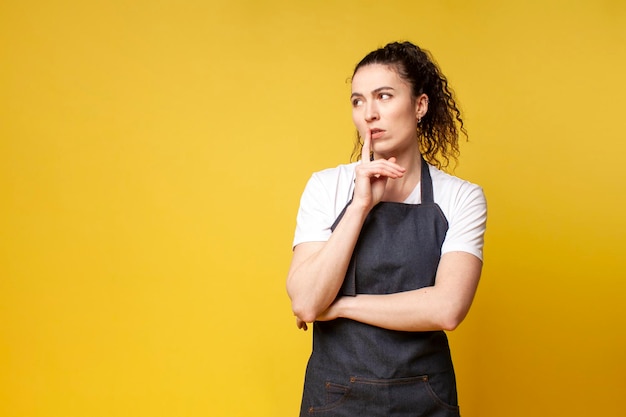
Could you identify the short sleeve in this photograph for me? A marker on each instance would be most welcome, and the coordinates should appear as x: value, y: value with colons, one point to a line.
x: 467, y: 221
x: 325, y: 195
x: 315, y: 215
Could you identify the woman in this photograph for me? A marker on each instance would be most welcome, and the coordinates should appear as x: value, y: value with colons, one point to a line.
x: 388, y: 251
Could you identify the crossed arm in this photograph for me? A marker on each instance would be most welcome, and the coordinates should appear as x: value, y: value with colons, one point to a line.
x: 440, y: 307
x: 318, y: 269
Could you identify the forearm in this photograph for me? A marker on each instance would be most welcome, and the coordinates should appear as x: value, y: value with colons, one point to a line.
x: 440, y: 307
x: 418, y: 310
x: 317, y: 271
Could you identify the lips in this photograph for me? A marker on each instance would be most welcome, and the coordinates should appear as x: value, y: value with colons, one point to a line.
x: 377, y: 133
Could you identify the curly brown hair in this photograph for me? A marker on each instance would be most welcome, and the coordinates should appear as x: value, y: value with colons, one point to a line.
x: 438, y: 130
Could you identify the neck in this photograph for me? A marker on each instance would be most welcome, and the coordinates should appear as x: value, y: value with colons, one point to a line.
x: 399, y: 189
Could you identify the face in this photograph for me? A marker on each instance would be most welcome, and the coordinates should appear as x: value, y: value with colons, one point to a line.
x: 383, y: 103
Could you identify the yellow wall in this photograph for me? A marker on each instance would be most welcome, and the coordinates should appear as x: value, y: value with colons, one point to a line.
x: 152, y: 155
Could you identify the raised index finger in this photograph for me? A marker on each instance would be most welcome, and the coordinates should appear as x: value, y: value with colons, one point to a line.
x: 367, y: 146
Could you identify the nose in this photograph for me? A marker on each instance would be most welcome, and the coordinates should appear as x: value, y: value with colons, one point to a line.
x: 371, y: 112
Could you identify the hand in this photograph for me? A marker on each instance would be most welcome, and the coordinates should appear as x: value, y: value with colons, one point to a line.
x: 301, y: 324
x: 372, y: 176
x: 333, y: 311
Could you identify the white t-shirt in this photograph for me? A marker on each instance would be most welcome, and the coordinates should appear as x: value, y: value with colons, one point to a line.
x: 463, y: 203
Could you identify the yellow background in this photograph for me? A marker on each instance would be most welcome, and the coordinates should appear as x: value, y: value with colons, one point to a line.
x: 152, y: 156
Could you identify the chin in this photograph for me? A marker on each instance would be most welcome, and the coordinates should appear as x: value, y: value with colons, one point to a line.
x: 382, y: 152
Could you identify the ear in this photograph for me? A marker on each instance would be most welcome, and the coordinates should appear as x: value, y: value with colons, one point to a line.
x: 421, y: 107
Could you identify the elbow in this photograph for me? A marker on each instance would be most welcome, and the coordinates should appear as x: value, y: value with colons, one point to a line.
x: 307, y: 318
x: 450, y: 325
x: 452, y: 320
x: 300, y: 308
x: 452, y: 313
x: 303, y: 312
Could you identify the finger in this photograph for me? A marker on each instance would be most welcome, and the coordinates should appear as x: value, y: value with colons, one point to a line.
x: 381, y: 167
x: 301, y: 324
x: 366, y: 150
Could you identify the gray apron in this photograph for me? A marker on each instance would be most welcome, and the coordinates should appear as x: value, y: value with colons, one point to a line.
x: 360, y: 370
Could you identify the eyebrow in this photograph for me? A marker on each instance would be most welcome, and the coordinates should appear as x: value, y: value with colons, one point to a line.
x: 377, y: 90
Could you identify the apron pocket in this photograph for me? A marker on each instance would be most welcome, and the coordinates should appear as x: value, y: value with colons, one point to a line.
x: 335, y: 396
x: 435, y: 397
x: 405, y: 396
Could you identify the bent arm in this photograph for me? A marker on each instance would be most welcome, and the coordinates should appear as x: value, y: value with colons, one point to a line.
x: 440, y: 307
x: 318, y: 269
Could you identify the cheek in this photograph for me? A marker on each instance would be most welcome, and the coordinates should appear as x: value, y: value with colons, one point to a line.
x: 406, y: 118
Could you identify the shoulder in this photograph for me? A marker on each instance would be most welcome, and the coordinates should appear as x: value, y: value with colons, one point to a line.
x: 333, y: 185
x: 335, y: 175
x: 465, y: 207
x: 327, y: 192
x: 450, y: 190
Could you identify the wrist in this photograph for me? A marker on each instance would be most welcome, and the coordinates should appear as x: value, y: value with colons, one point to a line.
x: 344, y: 306
x: 359, y: 208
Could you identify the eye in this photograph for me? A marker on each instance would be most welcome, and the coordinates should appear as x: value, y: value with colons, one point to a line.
x: 384, y: 96
x: 357, y: 101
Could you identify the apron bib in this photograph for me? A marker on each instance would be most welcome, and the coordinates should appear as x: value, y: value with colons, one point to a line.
x: 360, y: 370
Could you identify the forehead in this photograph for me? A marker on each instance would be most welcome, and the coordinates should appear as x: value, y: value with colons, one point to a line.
x: 373, y: 76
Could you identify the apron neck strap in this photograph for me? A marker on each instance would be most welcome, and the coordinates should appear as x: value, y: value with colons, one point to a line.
x: 426, y: 184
